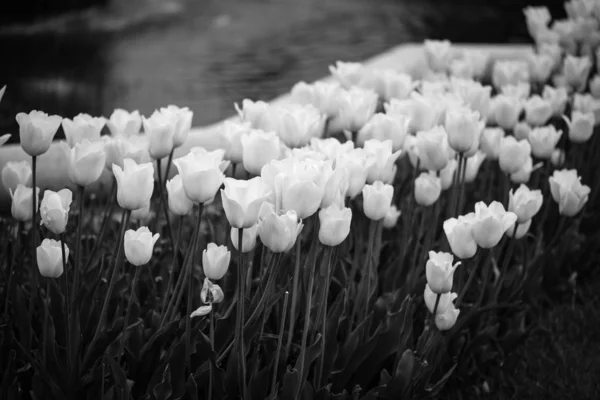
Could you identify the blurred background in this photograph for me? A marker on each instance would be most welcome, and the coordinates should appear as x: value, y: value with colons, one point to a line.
x: 70, y: 56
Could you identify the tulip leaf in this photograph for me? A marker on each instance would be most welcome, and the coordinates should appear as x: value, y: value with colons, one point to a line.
x: 291, y: 384
x: 163, y: 390
x: 191, y: 388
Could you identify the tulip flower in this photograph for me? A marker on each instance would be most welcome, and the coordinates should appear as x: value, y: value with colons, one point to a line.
x: 82, y: 126
x: 490, y: 223
x: 473, y: 164
x: 55, y: 208
x: 519, y: 91
x: 537, y: 19
x: 278, y: 232
x: 211, y: 293
x: 581, y: 126
x: 557, y: 97
x: 428, y: 188
x: 509, y: 72
x: 513, y: 154
x: 459, y: 233
x: 522, y: 130
x: 179, y: 203
x: 215, y: 261
x: 160, y: 130
x: 86, y: 161
x: 202, y: 174
x: 258, y: 148
x: 524, y: 174
x: 183, y: 122
x: 543, y: 141
x: 522, y: 230
x: 335, y: 188
x: 525, y: 203
x: 15, y: 173
x: 391, y: 218
x: 348, y: 74
x: 432, y: 148
x: 135, y: 184
x: 49, y: 258
x: 232, y: 133
x: 585, y: 103
x: 540, y: 67
x: 301, y: 190
x: 558, y: 158
x: 356, y: 164
x: 323, y: 95
x: 423, y: 112
x: 124, y: 123
x: 446, y: 320
x: 595, y: 86
x: 446, y: 300
x: 377, y: 200
x: 248, y: 238
x: 295, y: 124
x: 139, y: 245
x: 537, y: 111
x: 438, y: 54
x: 464, y: 129
x: 473, y: 94
x: 385, y: 127
x: 576, y: 71
x: 201, y: 311
x: 568, y: 192
x: 335, y: 224
x: 388, y: 83
x: 439, y: 271
x: 143, y: 216
x: 447, y: 174
x: 356, y: 107
x: 36, y: 131
x: 118, y: 148
x: 506, y: 110
x: 22, y: 198
x: 381, y: 161
x: 331, y: 147
x: 242, y: 200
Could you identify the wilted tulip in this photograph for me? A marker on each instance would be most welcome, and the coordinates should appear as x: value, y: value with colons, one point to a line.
x: 464, y: 129
x: 428, y: 188
x: 490, y: 223
x: 473, y: 164
x: 460, y: 236
x: 391, y: 218
x: 525, y: 203
x: 36, y: 131
x: 160, y: 130
x: 135, y: 184
x: 22, y: 198
x: 242, y: 200
x: 513, y: 154
x: 377, y: 200
x: 490, y: 142
x: 248, y: 238
x: 211, y: 293
x: 446, y: 320
x: 432, y: 148
x: 446, y: 300
x: 139, y: 245
x: 576, y: 71
x: 124, y: 123
x: 439, y: 271
x: 182, y: 116
x: 86, y: 161
x: 179, y: 203
x: 55, y: 208
x: 543, y: 141
x: 278, y: 232
x: 522, y: 230
x: 335, y: 224
x: 258, y: 148
x: 537, y: 111
x: 215, y: 261
x: 82, y: 126
x: 202, y: 174
x: 568, y: 191
x: 581, y: 126
x: 49, y: 258
x: 16, y: 172
x: 385, y: 127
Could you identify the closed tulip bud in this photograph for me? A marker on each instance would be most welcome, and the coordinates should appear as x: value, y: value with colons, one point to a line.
x: 248, y: 238
x: 215, y: 261
x: 460, y: 236
x: 543, y: 141
x: 537, y: 111
x: 179, y: 203
x: 183, y: 123
x: 576, y: 71
x: 447, y: 174
x: 377, y: 200
x: 581, y: 126
x: 490, y: 223
x: 509, y: 72
x: 568, y: 191
x: 211, y: 293
x: 522, y: 230
x: 83, y: 126
x: 506, y: 110
x: 142, y: 216
x: 36, y: 131
x: 160, y: 130
x: 381, y: 162
x: 124, y: 123
x: 202, y: 174
x: 557, y: 97
x: 432, y: 148
x: 278, y: 232
x: 595, y: 86
x: 242, y: 200
x: 335, y: 224
x: 49, y: 258
x: 438, y: 54
x: 558, y: 158
x: 85, y: 161
x: 139, y: 245
x: 446, y: 300
x: 521, y: 130
x: 513, y: 154
x: 428, y: 188
x: 440, y: 271
x: 259, y: 148
x: 464, y: 128
x: 22, y: 198
x: 55, y: 208
x: 384, y: 127
x: 446, y: 320
x: 135, y: 184
x: 15, y: 173
x: 232, y: 133
x: 490, y: 142
x: 540, y: 67
x: 391, y: 218
x: 525, y: 203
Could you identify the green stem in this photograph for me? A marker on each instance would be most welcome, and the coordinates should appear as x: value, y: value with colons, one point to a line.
x: 190, y: 288
x: 323, y: 315
x: 288, y: 346
x: 45, y: 328
x: 108, y: 211
x: 68, y: 343
x: 128, y: 311
x: 506, y: 261
x: 34, y: 272
x: 464, y: 290
x: 212, y: 347
x: 163, y: 202
x: 279, y: 342
x: 239, y: 323
x: 78, y: 254
x: 172, y: 268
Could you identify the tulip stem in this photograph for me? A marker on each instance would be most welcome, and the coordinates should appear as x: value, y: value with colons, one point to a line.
x: 323, y: 313
x: 78, y: 254
x: 279, y: 342
x: 163, y: 182
x: 294, y: 297
x: 506, y: 261
x: 128, y: 311
x: 437, y: 303
x: 163, y: 202
x: 211, y: 333
x: 239, y: 323
x: 67, y: 299
x: 15, y: 252
x: 471, y: 277
x: 108, y: 210
x: 369, y: 263
x: 172, y: 269
x: 461, y: 184
x: 34, y: 273
x: 46, y: 315
x: 190, y: 288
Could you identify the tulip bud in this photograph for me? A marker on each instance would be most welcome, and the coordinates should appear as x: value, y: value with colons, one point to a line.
x: 464, y: 128
x: 428, y: 188
x: 182, y: 118
x: 54, y: 209
x: 335, y: 224
x: 202, y: 174
x: 83, y: 126
x: 391, y: 218
x: 248, y: 238
x: 543, y: 141
x: 385, y: 127
x: 21, y: 202
x: 581, y: 126
x: 36, y: 131
x: 124, y: 123
x: 278, y: 232
x: 521, y: 130
x: 211, y: 293
x: 49, y: 258
x: 490, y: 223
x: 85, y: 161
x: 242, y: 200
x: 377, y: 200
x: 380, y: 161
x: 215, y: 261
x: 446, y: 300
x: 525, y: 203
x: 135, y: 184
x: 440, y: 271
x: 139, y: 245
x: 568, y: 191
x: 15, y: 173
x: 179, y: 203
x: 557, y: 97
x: 513, y: 154
x: 490, y: 142
x: 537, y: 111
x: 460, y: 237
x: 258, y: 148
x: 472, y: 166
x: 558, y: 158
x: 160, y: 130
x: 522, y: 230
x: 432, y: 147
x: 576, y: 71
x: 446, y: 320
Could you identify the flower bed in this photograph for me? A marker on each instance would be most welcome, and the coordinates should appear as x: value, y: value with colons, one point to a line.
x: 373, y: 236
